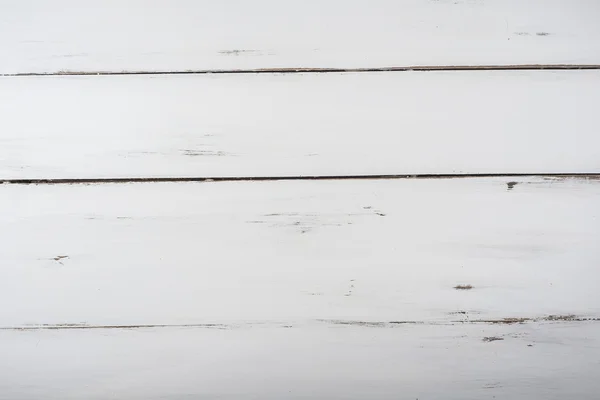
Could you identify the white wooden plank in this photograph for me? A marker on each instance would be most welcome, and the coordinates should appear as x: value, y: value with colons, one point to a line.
x: 534, y: 361
x: 116, y: 35
x: 333, y: 124
x: 291, y: 252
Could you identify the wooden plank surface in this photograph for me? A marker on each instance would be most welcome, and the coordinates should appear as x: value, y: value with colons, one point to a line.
x: 464, y: 288
x: 166, y: 35
x: 551, y: 361
x: 292, y: 252
x: 309, y: 124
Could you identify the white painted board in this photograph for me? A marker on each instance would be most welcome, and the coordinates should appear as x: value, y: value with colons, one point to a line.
x: 306, y: 124
x: 296, y: 252
x: 552, y: 361
x: 164, y: 35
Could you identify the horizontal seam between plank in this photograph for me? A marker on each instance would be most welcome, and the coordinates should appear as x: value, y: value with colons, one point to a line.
x: 73, y: 181
x: 335, y: 322
x: 421, y: 68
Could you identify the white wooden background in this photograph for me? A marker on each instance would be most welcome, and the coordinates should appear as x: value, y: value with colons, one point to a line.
x: 299, y: 235
x: 163, y: 35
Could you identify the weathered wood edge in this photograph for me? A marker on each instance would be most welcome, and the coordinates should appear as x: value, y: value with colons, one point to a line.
x: 418, y: 68
x: 74, y: 181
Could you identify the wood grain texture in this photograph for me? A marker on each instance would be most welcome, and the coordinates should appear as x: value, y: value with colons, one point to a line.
x: 297, y: 252
x: 163, y: 35
x: 550, y: 361
x: 283, y: 125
